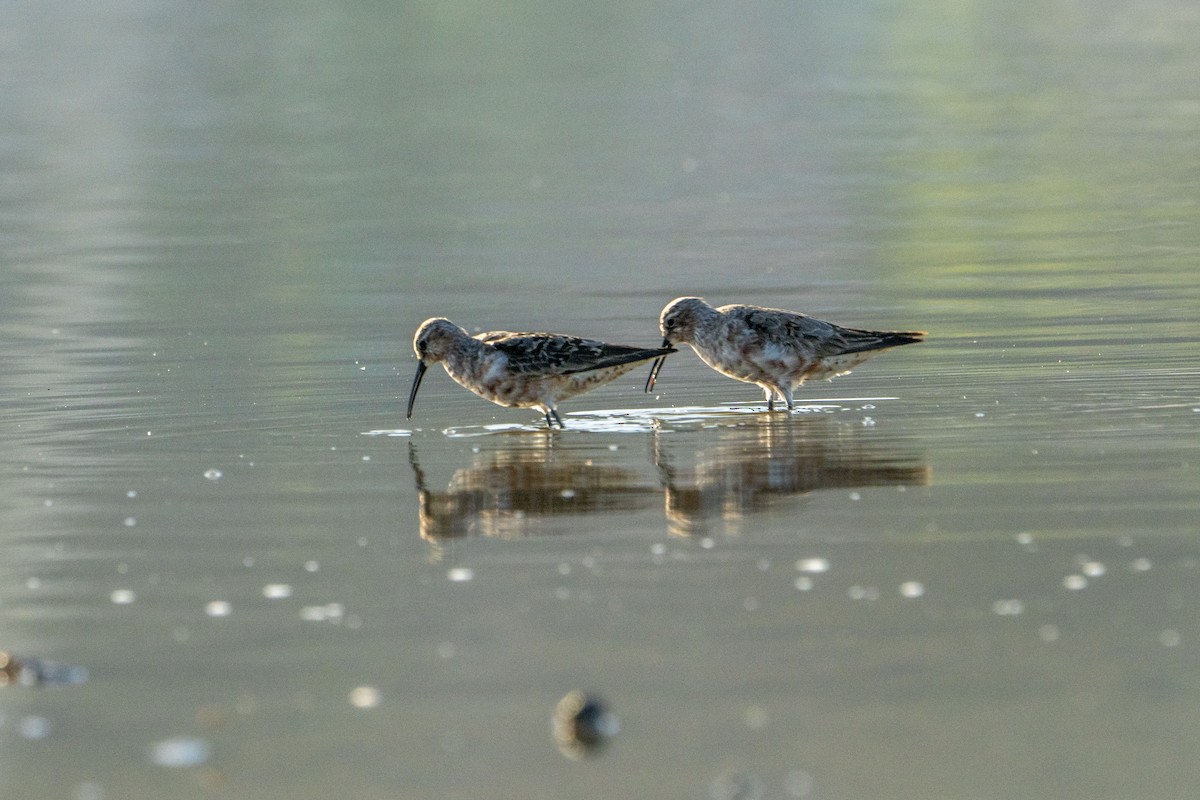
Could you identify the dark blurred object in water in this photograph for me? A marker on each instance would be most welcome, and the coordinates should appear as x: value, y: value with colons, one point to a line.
x: 34, y: 672
x: 582, y: 724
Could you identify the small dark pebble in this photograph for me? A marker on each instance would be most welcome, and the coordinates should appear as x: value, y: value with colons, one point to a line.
x: 582, y: 724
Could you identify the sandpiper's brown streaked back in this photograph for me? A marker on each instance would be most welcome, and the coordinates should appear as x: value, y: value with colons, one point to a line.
x: 777, y: 350
x: 522, y: 370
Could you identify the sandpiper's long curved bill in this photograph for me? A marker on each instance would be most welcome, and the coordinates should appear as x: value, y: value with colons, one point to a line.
x: 656, y: 366
x: 412, y: 393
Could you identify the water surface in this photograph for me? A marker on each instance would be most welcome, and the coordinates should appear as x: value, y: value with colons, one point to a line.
x: 967, y: 570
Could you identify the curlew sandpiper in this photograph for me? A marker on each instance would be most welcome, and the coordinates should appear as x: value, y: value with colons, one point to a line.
x: 775, y: 349
x: 522, y: 370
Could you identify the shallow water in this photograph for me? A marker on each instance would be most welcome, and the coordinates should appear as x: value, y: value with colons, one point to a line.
x: 966, y: 570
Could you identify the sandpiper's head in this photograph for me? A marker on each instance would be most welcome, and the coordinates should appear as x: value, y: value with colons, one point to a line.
x: 431, y: 343
x: 678, y: 319
x: 433, y: 338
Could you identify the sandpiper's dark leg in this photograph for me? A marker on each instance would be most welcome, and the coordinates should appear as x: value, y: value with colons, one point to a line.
x: 654, y: 370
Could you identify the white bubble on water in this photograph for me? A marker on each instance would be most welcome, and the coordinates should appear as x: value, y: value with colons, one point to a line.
x: 1074, y: 582
x: 460, y: 574
x: 365, y: 697
x: 858, y: 592
x: 1010, y: 607
x: 89, y: 790
x: 330, y: 612
x: 1169, y: 638
x: 1048, y: 633
x: 180, y: 751
x: 798, y: 783
x: 213, y: 474
x: 218, y: 608
x: 33, y: 727
x: 756, y: 717
x: 736, y: 786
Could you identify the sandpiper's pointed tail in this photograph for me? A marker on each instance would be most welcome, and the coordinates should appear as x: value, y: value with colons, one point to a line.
x: 859, y: 341
x: 617, y: 358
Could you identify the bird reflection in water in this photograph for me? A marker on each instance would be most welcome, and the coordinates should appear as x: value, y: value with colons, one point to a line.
x: 513, y: 490
x: 753, y: 463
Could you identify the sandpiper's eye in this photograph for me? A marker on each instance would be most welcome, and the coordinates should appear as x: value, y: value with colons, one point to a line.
x: 669, y: 323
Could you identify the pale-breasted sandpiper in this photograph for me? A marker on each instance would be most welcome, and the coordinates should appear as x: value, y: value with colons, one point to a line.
x: 775, y: 349
x: 523, y: 370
